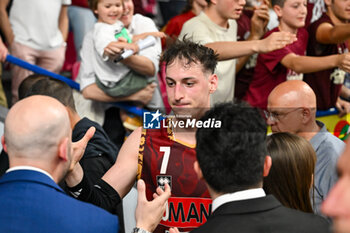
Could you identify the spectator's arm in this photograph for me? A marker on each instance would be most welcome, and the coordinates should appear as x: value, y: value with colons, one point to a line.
x: 5, y: 25
x: 327, y: 33
x: 63, y: 22
x: 3, y: 51
x: 306, y: 64
x: 230, y: 50
x: 345, y: 92
x: 258, y: 26
x: 140, y: 64
x: 93, y: 92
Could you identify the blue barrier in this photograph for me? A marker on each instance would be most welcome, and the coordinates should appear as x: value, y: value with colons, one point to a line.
x: 331, y: 111
x: 71, y: 83
x: 39, y: 70
x: 123, y: 105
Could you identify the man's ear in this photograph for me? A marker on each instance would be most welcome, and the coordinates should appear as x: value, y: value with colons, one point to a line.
x: 3, y: 143
x: 63, y: 149
x: 306, y: 115
x: 198, y: 170
x: 267, y: 165
x: 278, y: 10
x: 213, y: 83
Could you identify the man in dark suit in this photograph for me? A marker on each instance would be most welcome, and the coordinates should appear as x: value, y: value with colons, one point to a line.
x: 37, y: 139
x: 233, y: 166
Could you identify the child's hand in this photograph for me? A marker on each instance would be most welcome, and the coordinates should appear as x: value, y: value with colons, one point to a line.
x: 133, y: 46
x: 259, y: 21
x: 113, y: 50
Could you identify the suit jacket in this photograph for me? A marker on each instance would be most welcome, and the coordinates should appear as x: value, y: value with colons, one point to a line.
x: 32, y: 202
x: 262, y: 215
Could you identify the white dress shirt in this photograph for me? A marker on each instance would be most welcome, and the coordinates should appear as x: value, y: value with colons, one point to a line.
x: 29, y: 168
x: 237, y: 196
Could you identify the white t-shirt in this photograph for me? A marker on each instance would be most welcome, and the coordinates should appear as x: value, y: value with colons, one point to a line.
x: 107, y: 71
x: 35, y: 23
x: 202, y: 30
x: 139, y: 24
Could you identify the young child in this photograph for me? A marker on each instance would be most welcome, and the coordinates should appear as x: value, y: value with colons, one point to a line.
x: 115, y: 78
x: 289, y: 62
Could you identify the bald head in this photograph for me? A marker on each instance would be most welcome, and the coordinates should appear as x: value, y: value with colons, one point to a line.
x: 34, y: 127
x: 293, y: 94
x: 293, y: 105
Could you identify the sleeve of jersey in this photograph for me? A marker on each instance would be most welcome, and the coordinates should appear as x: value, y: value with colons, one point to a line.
x: 101, y: 194
x: 271, y: 59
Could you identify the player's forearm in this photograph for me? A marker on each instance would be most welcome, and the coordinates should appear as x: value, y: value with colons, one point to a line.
x: 120, y: 178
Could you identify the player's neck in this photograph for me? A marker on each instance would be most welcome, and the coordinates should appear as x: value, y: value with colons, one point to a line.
x: 185, y: 135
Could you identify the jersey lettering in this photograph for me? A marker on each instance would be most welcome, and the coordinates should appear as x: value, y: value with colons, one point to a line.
x: 166, y: 150
x: 186, y: 212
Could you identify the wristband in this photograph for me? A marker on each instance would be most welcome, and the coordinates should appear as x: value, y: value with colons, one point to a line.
x: 139, y: 230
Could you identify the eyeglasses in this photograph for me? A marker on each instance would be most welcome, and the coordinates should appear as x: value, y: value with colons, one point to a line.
x: 274, y: 116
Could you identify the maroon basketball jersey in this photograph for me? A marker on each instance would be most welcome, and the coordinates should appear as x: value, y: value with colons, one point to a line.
x: 164, y: 160
x: 324, y: 83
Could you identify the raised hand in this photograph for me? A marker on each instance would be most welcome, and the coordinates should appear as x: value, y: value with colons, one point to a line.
x: 149, y: 213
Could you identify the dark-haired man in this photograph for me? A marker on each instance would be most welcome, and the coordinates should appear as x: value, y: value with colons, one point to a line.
x: 167, y: 154
x: 235, y: 177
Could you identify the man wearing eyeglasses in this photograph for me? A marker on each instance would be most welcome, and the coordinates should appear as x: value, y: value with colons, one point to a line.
x: 292, y: 108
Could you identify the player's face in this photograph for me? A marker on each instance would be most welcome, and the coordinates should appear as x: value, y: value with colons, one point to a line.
x: 282, y: 118
x: 128, y: 12
x: 229, y: 9
x: 109, y: 11
x: 337, y: 204
x: 292, y: 15
x: 341, y: 9
x: 188, y: 88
